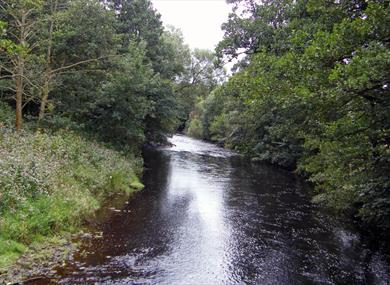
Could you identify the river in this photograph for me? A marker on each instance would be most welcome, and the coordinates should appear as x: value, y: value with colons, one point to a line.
x: 207, y: 216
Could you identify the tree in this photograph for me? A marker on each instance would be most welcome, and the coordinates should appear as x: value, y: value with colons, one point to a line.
x: 22, y: 17
x: 200, y: 77
x: 312, y: 95
x: 79, y: 18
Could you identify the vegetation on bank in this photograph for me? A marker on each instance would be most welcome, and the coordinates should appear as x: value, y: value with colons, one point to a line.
x: 50, y: 183
x: 83, y: 85
x: 311, y: 94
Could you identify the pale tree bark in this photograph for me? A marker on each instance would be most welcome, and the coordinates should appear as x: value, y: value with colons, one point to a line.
x: 48, y: 83
x: 51, y: 73
x: 23, y: 25
x: 48, y: 72
x: 23, y: 22
x: 19, y: 74
x: 19, y: 95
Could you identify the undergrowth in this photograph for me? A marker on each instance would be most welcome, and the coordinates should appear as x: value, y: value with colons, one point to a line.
x: 49, y: 184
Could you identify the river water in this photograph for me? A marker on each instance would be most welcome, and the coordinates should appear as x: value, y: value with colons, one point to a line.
x: 207, y: 216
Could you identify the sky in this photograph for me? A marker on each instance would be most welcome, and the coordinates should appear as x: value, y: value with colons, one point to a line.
x: 199, y: 20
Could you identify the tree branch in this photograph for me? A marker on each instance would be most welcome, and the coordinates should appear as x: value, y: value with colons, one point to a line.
x: 78, y: 71
x: 9, y: 88
x: 54, y: 71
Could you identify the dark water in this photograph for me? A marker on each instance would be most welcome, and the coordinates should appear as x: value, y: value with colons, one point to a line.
x: 208, y: 217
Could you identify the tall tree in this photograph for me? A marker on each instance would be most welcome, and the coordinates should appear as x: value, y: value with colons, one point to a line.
x: 200, y: 77
x: 87, y: 18
x: 22, y: 18
x: 312, y: 93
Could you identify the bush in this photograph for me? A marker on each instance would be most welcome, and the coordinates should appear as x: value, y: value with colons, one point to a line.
x: 195, y: 128
x: 6, y: 115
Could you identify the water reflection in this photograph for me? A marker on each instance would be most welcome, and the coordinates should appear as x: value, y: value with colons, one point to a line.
x: 198, y: 247
x: 207, y: 216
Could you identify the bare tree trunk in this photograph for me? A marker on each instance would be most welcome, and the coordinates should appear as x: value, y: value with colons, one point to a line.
x: 44, y: 99
x: 19, y: 96
x: 19, y: 86
x: 48, y: 73
x: 23, y: 18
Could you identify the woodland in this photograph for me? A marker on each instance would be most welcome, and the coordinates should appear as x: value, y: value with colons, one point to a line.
x: 84, y: 84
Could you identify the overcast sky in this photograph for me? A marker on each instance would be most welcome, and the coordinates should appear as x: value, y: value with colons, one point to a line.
x: 199, y: 20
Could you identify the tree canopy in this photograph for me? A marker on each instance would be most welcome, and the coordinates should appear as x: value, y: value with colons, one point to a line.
x: 107, y: 67
x: 312, y: 94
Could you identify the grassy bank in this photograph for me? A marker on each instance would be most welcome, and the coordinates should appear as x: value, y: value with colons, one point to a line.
x: 50, y: 183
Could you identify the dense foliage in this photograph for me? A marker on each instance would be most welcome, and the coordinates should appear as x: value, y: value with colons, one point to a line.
x: 51, y: 183
x: 311, y: 93
x: 108, y: 66
x: 80, y: 80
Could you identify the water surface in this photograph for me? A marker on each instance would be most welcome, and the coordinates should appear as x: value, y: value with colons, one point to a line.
x: 207, y: 216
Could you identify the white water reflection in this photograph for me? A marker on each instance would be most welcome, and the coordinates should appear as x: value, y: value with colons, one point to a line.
x: 206, y: 217
x: 199, y: 245
x: 186, y: 144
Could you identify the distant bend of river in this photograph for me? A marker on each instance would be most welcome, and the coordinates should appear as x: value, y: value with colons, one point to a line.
x: 207, y: 216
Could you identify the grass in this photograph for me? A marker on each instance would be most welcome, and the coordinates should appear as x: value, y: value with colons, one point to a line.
x: 10, y: 251
x: 50, y: 183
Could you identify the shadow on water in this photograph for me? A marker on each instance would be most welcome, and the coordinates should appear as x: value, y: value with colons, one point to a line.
x: 207, y: 216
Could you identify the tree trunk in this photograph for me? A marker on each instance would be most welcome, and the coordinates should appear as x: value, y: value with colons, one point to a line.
x: 19, y: 96
x: 44, y: 99
x: 19, y: 87
x: 48, y: 75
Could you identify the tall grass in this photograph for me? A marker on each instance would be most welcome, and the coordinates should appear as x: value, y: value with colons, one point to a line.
x: 49, y: 183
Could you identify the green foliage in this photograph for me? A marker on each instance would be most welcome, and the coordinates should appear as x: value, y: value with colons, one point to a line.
x: 312, y: 94
x: 199, y: 78
x: 109, y: 67
x: 195, y: 128
x: 106, y: 70
x: 6, y: 116
x: 6, y: 45
x: 10, y: 251
x: 51, y: 183
x: 110, y: 72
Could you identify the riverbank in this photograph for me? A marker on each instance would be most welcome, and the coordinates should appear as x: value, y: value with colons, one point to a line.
x: 208, y: 216
x: 374, y: 233
x: 50, y: 185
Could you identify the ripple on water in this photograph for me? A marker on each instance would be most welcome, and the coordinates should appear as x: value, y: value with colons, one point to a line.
x: 208, y: 217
